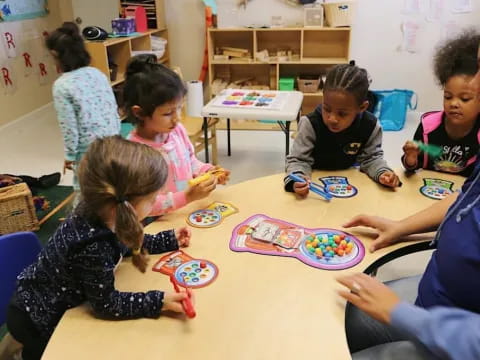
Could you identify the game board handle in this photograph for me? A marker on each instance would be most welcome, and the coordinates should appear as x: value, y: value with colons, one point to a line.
x: 187, y: 303
x: 316, y: 188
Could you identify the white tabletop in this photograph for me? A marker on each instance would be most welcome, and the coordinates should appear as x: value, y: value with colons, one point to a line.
x: 289, y: 111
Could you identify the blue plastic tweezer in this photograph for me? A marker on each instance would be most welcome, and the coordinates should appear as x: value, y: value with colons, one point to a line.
x: 316, y: 188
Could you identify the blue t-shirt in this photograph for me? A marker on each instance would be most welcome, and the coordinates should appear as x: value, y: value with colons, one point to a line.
x: 452, y: 277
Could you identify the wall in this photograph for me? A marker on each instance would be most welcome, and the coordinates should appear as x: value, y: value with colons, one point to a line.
x: 30, y: 95
x: 376, y: 36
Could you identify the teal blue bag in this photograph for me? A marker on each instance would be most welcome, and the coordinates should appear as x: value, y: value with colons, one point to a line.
x: 392, y: 106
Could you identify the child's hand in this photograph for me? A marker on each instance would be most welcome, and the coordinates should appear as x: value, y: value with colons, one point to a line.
x: 201, y: 190
x: 172, y: 301
x: 390, y: 179
x: 369, y: 295
x: 224, y: 177
x: 68, y: 164
x: 411, y: 151
x: 301, y: 189
x: 183, y: 236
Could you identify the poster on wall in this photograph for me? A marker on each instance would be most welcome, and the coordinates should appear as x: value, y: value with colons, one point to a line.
x: 14, y: 10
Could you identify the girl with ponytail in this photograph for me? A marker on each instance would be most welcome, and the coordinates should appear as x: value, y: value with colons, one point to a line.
x: 82, y: 95
x: 119, y: 182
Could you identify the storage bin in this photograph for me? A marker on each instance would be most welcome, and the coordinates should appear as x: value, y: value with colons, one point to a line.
x: 339, y: 14
x: 286, y: 83
x: 392, y: 106
x: 17, y: 211
x: 308, y: 84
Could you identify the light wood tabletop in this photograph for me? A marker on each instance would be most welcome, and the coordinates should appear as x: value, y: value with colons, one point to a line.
x: 259, y: 307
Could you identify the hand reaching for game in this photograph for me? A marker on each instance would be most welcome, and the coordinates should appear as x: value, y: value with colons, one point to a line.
x: 183, y: 236
x: 301, y: 188
x: 201, y: 190
x: 411, y: 152
x: 370, y: 296
x: 388, y: 231
x: 390, y: 179
x: 172, y: 301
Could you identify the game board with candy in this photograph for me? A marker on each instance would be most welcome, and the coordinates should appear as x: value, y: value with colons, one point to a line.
x: 338, y: 186
x: 255, y: 99
x: 212, y: 215
x: 436, y: 189
x: 322, y: 248
x: 195, y: 273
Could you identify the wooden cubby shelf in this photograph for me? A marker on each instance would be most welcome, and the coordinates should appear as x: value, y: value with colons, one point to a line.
x: 292, y: 52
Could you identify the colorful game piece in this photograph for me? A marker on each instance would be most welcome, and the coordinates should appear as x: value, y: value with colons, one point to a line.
x: 431, y: 149
x: 183, y: 268
x: 338, y: 186
x: 244, y: 102
x: 436, y: 189
x: 187, y: 303
x: 328, y: 249
x: 229, y: 102
x: 237, y: 93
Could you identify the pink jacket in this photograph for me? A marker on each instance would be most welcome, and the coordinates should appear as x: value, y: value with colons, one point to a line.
x: 182, y: 166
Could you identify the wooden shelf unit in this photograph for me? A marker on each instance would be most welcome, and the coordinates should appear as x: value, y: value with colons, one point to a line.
x: 154, y: 8
x: 316, y: 50
x: 119, y: 51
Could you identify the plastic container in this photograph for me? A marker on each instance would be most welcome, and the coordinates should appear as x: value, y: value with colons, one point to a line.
x: 392, y: 107
x: 308, y: 84
x: 286, y: 83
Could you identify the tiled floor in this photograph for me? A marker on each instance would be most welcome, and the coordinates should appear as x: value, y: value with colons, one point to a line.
x: 33, y: 146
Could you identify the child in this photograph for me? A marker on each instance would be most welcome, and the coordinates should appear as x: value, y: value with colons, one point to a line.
x: 340, y: 133
x: 82, y: 95
x: 119, y: 181
x: 153, y: 98
x: 456, y: 129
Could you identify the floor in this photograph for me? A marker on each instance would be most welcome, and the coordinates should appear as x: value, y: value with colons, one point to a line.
x: 36, y: 142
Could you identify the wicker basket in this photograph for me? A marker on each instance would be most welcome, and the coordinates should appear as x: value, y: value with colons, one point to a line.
x: 339, y: 14
x: 17, y: 212
x: 308, y: 84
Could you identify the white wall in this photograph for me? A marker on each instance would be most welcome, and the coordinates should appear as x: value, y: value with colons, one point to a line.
x: 376, y: 36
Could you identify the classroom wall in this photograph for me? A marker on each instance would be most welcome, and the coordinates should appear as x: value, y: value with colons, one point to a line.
x: 29, y: 94
x: 376, y: 36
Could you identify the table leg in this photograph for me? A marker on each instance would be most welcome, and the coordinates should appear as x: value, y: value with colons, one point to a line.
x: 229, y: 150
x: 205, y: 135
x: 287, y: 137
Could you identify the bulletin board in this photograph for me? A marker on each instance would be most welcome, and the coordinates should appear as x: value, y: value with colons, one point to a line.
x: 13, y: 10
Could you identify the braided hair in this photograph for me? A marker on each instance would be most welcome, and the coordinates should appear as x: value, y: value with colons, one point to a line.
x: 349, y: 78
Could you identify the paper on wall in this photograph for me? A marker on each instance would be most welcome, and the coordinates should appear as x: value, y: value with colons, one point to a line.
x: 450, y: 30
x: 8, y: 80
x: 410, y: 31
x: 10, y: 37
x: 462, y: 6
x: 411, y: 6
x: 435, y: 10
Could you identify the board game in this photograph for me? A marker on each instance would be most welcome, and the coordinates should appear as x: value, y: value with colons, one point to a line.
x: 321, y: 248
x: 436, y: 189
x: 338, y: 186
x: 254, y: 99
x: 194, y: 273
x: 213, y: 215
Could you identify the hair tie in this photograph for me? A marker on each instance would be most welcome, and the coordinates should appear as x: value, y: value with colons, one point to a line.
x: 121, y: 199
x: 136, y: 251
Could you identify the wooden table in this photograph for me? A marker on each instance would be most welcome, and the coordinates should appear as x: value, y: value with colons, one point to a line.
x: 284, y: 116
x: 260, y: 307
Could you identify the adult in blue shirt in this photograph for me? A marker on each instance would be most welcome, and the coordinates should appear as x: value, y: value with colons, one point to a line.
x: 451, y: 280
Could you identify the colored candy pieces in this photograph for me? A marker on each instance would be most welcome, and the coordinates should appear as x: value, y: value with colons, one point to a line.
x: 328, y: 245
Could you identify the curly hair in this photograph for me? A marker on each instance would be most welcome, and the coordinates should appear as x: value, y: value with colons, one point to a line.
x: 457, y: 56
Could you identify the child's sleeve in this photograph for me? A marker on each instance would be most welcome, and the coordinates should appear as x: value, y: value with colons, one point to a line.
x: 300, y: 160
x: 159, y: 243
x: 198, y: 167
x: 371, y: 157
x: 417, y: 137
x: 95, y: 267
x: 67, y: 119
x: 168, y: 202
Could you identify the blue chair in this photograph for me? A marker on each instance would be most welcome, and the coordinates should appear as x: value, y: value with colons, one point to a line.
x: 17, y: 251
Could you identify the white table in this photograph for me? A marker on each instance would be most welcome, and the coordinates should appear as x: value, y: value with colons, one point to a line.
x: 289, y: 112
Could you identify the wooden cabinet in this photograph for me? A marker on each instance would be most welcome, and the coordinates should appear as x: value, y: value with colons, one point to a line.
x: 303, y: 51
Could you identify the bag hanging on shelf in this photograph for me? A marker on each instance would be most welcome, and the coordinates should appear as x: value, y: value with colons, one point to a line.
x: 392, y: 106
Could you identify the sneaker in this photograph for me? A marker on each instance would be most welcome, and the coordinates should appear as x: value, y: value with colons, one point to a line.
x: 50, y: 180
